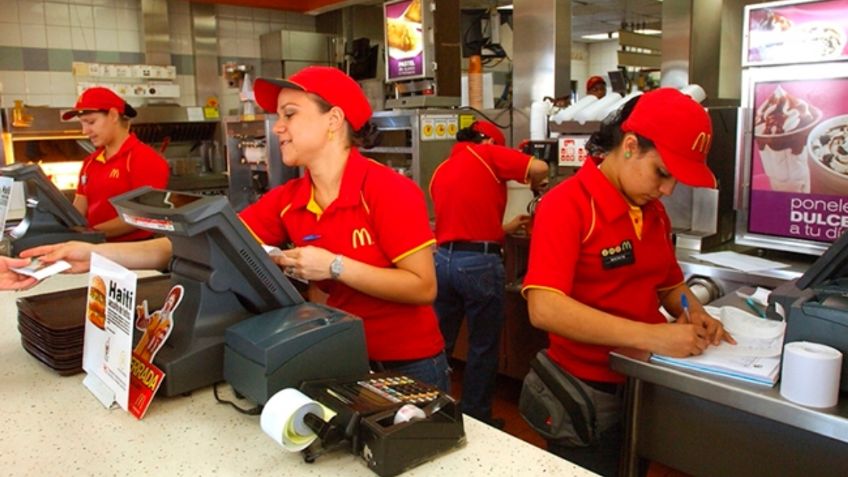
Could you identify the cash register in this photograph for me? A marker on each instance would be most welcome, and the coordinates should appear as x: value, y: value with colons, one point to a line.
x: 233, y: 288
x: 50, y: 217
x: 815, y: 305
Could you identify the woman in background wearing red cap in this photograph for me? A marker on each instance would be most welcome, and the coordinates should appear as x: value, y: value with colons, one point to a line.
x: 120, y: 164
x: 469, y: 197
x: 359, y: 229
x: 596, y: 86
x: 602, y: 262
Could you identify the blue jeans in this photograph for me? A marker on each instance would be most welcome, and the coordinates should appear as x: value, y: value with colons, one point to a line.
x: 428, y: 370
x: 471, y: 285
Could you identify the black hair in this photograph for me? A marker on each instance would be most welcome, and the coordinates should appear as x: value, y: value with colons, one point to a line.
x: 610, y: 135
x: 469, y: 134
x: 366, y: 137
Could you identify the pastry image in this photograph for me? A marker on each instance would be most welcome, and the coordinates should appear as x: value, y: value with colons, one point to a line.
x: 820, y: 39
x: 781, y: 126
x: 413, y: 11
x: 402, y: 35
x: 96, y: 312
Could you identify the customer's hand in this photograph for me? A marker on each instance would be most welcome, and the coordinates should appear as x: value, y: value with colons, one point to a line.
x: 10, y: 280
x: 78, y: 254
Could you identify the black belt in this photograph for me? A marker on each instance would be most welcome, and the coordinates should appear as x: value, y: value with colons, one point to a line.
x: 480, y: 247
x: 604, y: 387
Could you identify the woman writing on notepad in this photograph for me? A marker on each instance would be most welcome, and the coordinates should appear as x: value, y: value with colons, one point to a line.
x: 602, y: 262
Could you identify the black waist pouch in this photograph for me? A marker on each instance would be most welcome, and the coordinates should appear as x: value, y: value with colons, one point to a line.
x: 558, y: 405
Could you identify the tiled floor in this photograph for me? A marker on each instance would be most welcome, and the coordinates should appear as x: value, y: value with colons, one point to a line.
x: 505, y: 406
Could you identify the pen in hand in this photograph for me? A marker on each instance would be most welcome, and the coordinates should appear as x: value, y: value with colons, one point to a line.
x: 684, y: 302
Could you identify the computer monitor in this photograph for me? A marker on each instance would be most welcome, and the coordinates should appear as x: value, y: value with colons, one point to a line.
x: 224, y: 271
x: 618, y: 83
x: 50, y: 217
x: 833, y: 264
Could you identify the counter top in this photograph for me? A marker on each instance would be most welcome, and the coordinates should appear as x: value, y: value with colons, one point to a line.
x: 52, y: 425
x: 758, y: 400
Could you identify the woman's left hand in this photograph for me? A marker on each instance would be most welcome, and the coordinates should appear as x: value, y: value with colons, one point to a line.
x: 308, y: 263
x: 715, y: 331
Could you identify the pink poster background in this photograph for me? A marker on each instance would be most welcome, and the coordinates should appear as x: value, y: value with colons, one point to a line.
x: 830, y: 13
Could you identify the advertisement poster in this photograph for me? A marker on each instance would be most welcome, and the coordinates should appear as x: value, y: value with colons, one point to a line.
x: 155, y: 329
x: 572, y: 150
x: 404, y: 39
x: 803, y: 32
x: 6, y: 184
x: 799, y: 169
x: 107, y: 347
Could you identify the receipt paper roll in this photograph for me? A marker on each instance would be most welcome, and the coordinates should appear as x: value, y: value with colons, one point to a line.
x: 282, y: 419
x: 810, y: 374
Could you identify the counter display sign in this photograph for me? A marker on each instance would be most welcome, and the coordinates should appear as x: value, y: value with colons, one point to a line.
x: 796, y: 32
x: 799, y: 159
x: 404, y: 30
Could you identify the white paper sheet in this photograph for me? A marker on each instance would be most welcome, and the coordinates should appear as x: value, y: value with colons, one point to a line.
x: 739, y: 261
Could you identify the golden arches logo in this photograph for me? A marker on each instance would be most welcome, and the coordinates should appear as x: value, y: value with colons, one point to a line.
x: 702, y: 143
x: 361, y: 237
x: 114, y: 174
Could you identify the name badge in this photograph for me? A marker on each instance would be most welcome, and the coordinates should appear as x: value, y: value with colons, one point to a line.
x: 618, y: 256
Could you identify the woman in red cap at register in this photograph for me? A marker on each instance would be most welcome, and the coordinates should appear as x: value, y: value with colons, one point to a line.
x: 120, y: 164
x: 602, y: 262
x: 359, y: 229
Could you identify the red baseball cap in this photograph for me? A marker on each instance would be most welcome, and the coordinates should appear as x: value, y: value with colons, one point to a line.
x: 594, y: 81
x: 99, y: 99
x: 331, y: 84
x: 680, y: 129
x: 488, y: 129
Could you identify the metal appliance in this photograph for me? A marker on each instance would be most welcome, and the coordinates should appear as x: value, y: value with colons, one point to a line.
x: 254, y: 160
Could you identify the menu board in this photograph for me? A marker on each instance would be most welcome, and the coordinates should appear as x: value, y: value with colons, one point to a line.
x: 799, y: 159
x: 795, y: 32
x: 404, y: 30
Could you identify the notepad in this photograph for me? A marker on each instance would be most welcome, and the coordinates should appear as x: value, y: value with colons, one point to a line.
x: 39, y: 270
x: 756, y: 356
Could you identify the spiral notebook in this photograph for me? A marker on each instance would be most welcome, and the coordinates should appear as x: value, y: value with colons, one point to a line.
x: 754, y: 359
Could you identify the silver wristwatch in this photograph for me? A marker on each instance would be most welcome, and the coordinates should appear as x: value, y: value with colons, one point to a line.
x: 336, y: 267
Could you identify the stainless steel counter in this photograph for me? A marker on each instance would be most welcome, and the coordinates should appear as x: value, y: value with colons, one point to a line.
x: 706, y: 425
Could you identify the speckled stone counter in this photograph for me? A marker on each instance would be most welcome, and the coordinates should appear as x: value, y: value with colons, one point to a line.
x: 52, y: 425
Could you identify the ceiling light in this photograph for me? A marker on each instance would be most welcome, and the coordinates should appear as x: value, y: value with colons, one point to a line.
x: 601, y: 36
x: 648, y: 31
x: 505, y: 7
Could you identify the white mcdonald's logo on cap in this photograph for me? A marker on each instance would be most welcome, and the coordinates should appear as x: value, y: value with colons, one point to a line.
x: 702, y: 143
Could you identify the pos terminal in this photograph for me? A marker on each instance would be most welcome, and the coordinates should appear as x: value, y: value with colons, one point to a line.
x: 276, y: 339
x: 50, y: 217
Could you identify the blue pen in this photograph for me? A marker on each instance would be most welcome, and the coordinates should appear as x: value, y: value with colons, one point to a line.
x: 311, y: 237
x: 684, y: 302
x: 750, y: 302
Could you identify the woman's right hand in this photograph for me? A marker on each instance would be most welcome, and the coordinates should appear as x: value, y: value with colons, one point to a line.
x: 679, y: 340
x: 78, y: 254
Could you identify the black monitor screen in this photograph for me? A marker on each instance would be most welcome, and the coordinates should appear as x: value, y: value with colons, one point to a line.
x: 617, y: 82
x: 44, y: 195
x: 831, y: 265
x: 226, y: 275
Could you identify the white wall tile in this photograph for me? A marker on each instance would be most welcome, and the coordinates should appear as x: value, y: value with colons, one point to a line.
x: 34, y: 36
x: 129, y: 41
x: 10, y: 9
x: 179, y: 7
x: 41, y: 99
x: 62, y: 82
x: 228, y: 48
x: 179, y: 24
x: 260, y: 28
x: 244, y: 47
x: 29, y: 12
x: 37, y: 82
x: 57, y: 13
x: 244, y: 28
x: 80, y: 2
x: 13, y: 83
x: 10, y: 34
x: 227, y: 11
x: 107, y: 17
x: 62, y: 100
x: 101, y: 3
x: 244, y: 13
x: 59, y: 37
x: 128, y: 19
x: 182, y: 45
x: 134, y: 4
x: 278, y: 16
x: 9, y: 99
x: 82, y: 39
x: 105, y: 40
x: 82, y: 16
x: 226, y: 28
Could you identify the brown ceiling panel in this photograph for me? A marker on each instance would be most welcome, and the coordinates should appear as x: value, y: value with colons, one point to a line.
x: 300, y: 6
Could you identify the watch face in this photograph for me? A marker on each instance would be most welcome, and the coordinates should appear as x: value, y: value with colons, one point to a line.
x: 336, y: 266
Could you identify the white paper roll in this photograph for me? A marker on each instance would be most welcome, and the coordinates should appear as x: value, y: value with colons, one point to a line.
x: 695, y: 91
x: 620, y: 103
x: 282, y: 419
x: 597, y: 109
x: 568, y: 113
x: 538, y: 120
x: 810, y: 374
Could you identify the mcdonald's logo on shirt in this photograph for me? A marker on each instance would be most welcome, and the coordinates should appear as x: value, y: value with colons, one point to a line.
x: 361, y: 237
x: 114, y: 174
x: 702, y: 143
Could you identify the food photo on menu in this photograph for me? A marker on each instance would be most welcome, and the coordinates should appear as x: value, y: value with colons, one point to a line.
x: 799, y: 158
x: 404, y: 38
x: 805, y: 32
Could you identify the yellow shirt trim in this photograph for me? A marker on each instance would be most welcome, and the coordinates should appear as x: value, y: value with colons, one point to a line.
x: 494, y: 176
x: 313, y: 206
x: 416, y: 249
x: 637, y: 218
x: 670, y: 288
x: 527, y: 170
x: 101, y: 158
x: 285, y: 209
x: 539, y: 287
x: 364, y: 204
x: 591, y: 224
x: 252, y: 233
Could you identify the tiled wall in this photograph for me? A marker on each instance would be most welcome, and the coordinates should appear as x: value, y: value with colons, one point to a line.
x: 40, y: 39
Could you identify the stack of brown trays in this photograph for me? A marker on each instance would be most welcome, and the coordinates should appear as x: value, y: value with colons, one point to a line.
x: 52, y: 325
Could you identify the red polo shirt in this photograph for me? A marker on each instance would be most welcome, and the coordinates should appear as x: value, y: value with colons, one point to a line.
x: 134, y: 165
x: 379, y: 218
x: 469, y: 191
x: 588, y: 243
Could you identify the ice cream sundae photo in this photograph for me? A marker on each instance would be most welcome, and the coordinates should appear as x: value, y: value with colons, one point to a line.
x: 828, y: 157
x: 776, y: 37
x: 781, y: 126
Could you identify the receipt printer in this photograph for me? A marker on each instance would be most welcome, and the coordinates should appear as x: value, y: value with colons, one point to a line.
x: 816, y: 305
x: 284, y: 347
